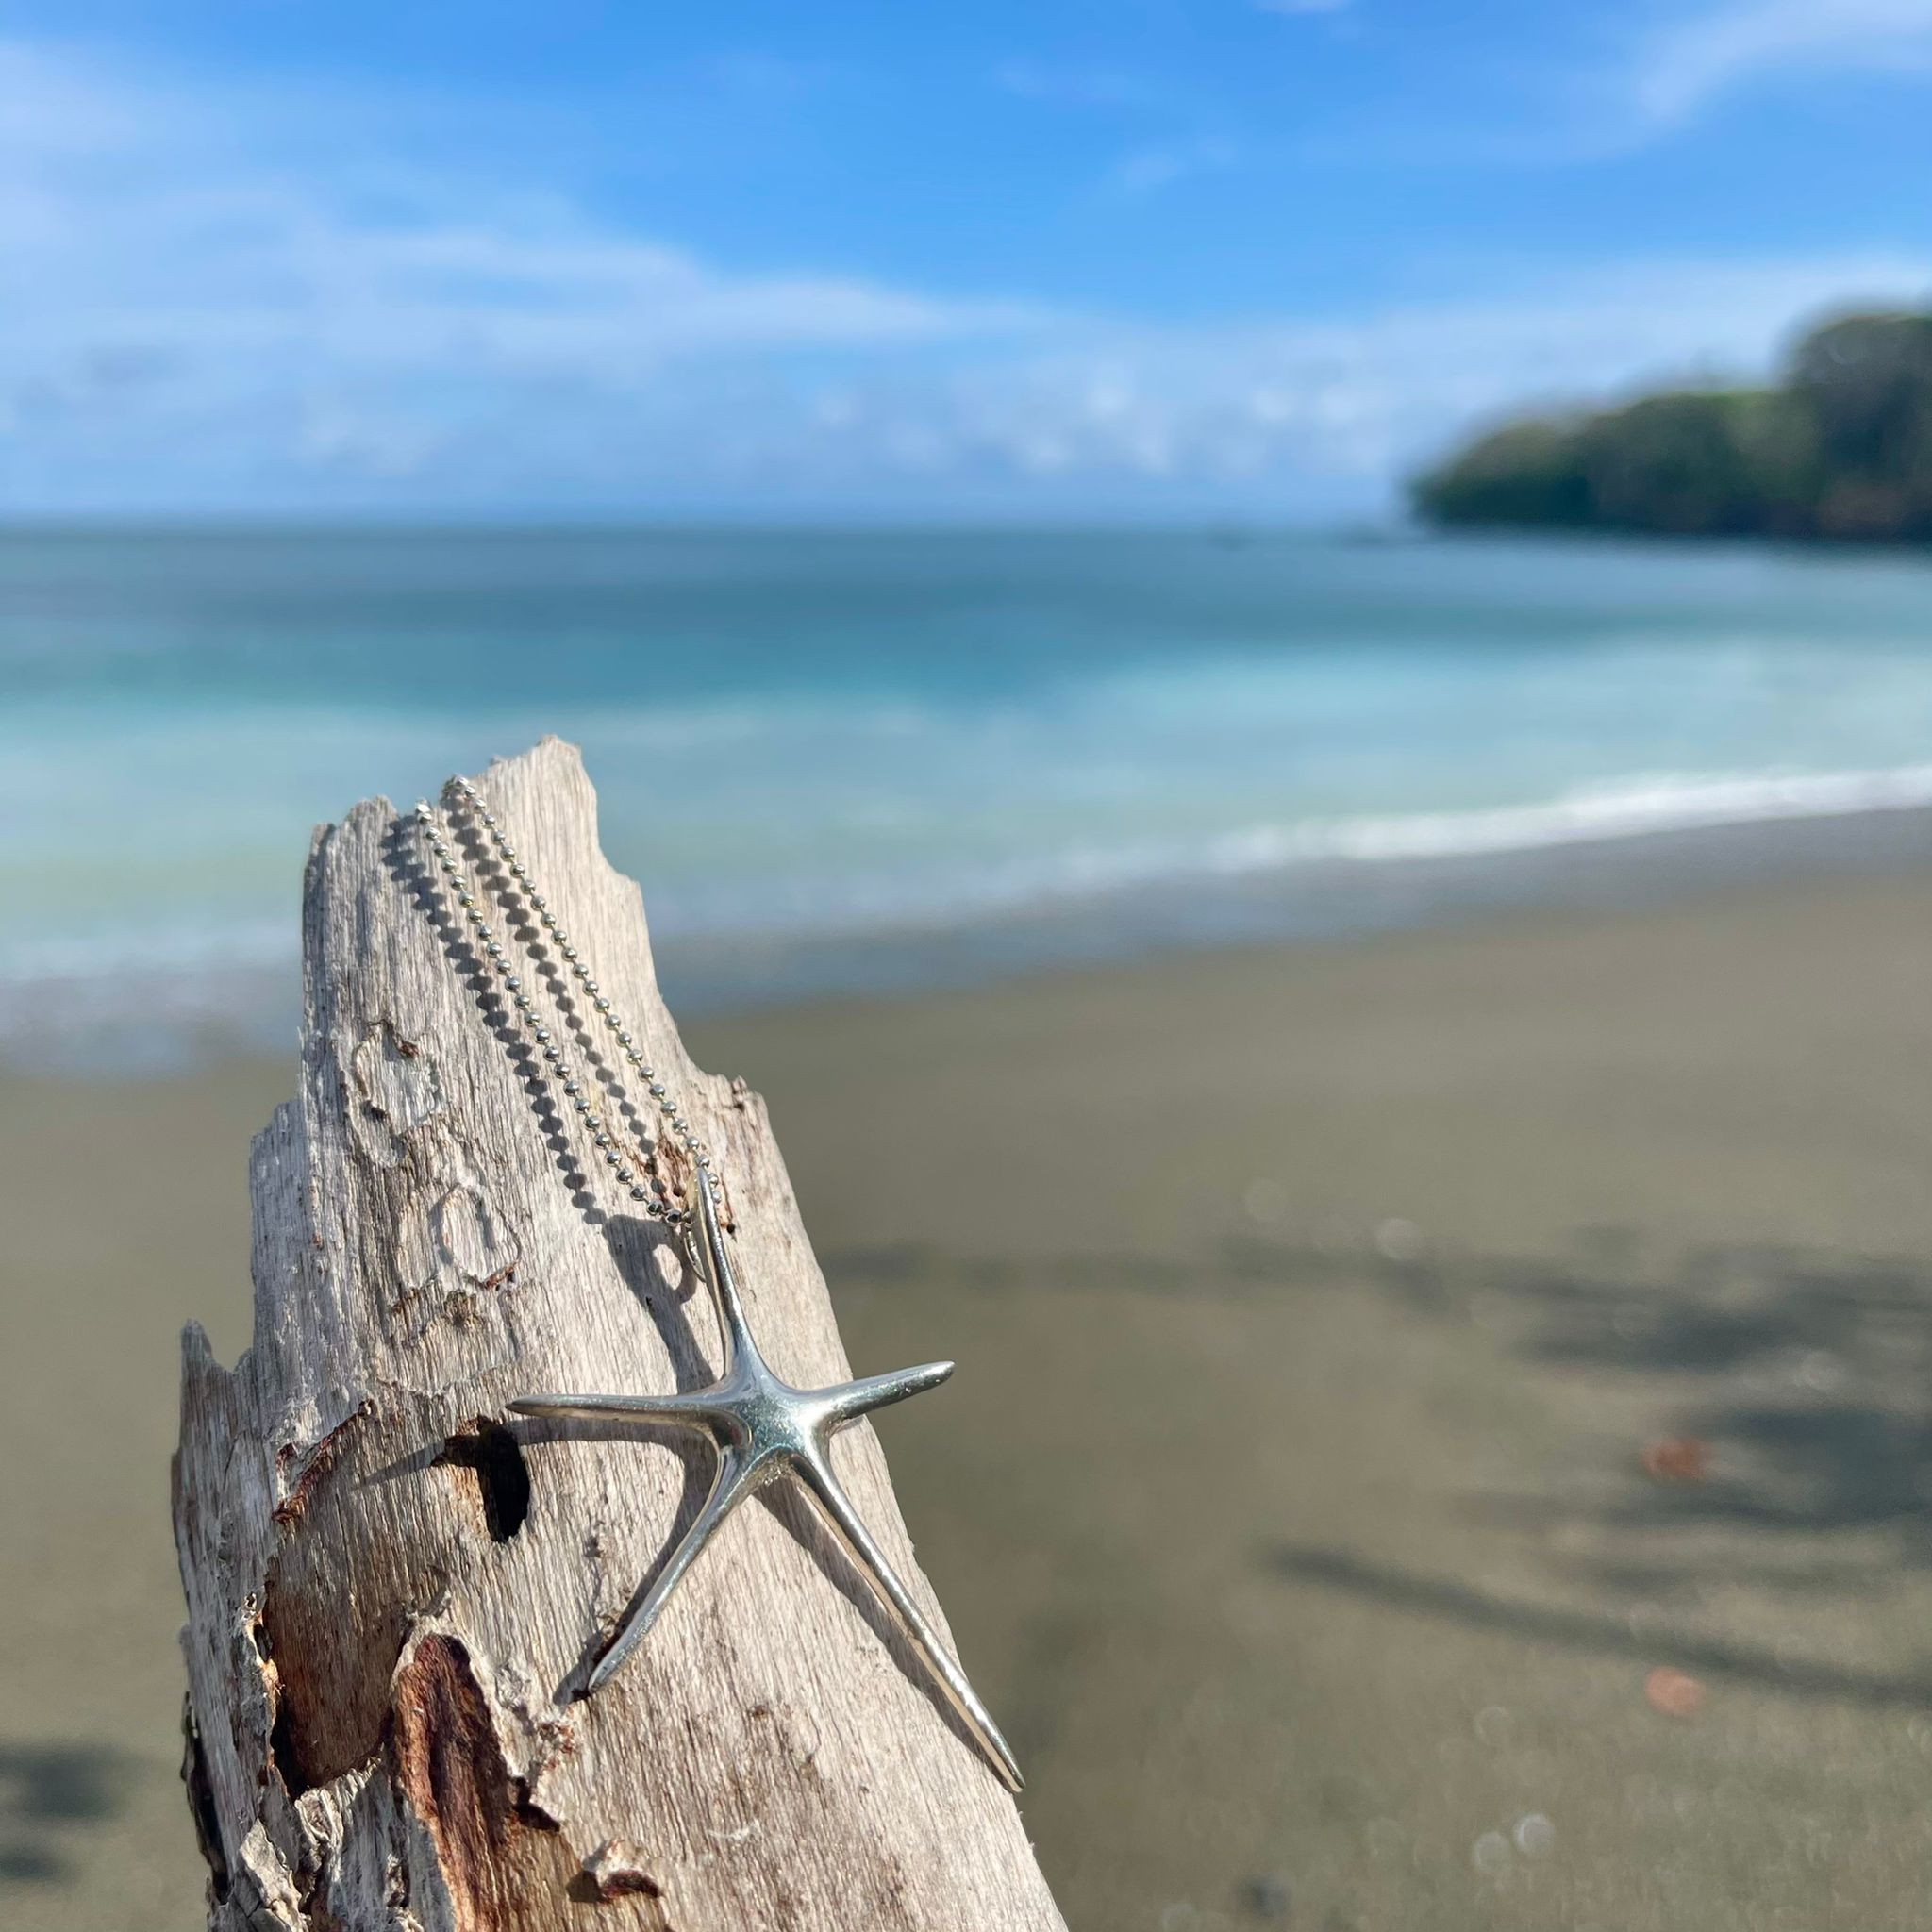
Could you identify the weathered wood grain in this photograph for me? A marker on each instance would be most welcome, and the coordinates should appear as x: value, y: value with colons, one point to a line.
x: 395, y: 1591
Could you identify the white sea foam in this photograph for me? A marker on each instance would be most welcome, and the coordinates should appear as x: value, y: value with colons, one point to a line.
x: 1023, y: 884
x: 165, y: 993
x: 1625, y: 808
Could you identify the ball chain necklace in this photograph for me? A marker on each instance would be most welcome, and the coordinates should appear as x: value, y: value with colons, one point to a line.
x: 761, y: 1427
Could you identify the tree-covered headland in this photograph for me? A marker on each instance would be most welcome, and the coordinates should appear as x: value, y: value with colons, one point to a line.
x: 1841, y: 447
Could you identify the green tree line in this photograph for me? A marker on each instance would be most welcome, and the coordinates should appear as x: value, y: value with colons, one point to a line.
x: 1841, y: 447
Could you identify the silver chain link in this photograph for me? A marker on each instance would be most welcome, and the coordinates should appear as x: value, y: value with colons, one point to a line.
x: 642, y: 1187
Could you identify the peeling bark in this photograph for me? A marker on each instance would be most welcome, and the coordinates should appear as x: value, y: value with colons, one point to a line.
x: 396, y: 1593
x: 500, y: 1855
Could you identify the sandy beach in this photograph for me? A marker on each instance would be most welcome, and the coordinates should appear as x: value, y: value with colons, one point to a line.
x: 1441, y: 1438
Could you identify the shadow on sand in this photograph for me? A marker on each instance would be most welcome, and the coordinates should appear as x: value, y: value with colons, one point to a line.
x: 1803, y: 1377
x: 46, y: 1790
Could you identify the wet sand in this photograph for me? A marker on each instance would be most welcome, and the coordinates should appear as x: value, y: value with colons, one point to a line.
x: 1318, y: 1313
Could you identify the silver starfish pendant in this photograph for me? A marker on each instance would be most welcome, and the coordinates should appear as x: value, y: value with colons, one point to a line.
x: 765, y: 1429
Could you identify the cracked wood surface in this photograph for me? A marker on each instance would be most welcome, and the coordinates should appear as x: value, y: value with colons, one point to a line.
x: 396, y: 1590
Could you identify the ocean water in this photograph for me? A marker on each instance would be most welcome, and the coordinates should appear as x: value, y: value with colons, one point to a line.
x: 842, y: 760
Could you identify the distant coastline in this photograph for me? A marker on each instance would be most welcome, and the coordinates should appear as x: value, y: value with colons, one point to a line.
x: 1838, y: 450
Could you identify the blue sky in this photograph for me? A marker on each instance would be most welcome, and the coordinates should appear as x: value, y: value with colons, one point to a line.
x: 1046, y: 260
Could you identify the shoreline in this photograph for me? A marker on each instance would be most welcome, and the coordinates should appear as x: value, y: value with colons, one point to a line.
x: 173, y: 1022
x: 1317, y: 901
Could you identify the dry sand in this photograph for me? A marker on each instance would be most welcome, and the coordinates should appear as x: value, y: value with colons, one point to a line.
x: 1315, y: 1311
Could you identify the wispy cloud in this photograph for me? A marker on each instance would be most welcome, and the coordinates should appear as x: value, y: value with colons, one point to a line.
x: 1079, y: 87
x: 196, y: 320
x: 151, y: 264
x: 1300, y: 9
x: 1638, y: 81
x: 1358, y: 397
x: 1128, y: 99
x: 1692, y: 62
x: 1161, y: 163
x: 119, y: 210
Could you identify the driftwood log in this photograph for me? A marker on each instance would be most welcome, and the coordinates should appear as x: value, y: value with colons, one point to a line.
x: 396, y: 1590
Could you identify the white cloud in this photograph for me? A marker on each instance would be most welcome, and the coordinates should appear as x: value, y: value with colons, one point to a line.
x: 201, y: 321
x: 138, y: 243
x: 1692, y: 62
x: 1363, y: 396
x: 1644, y: 78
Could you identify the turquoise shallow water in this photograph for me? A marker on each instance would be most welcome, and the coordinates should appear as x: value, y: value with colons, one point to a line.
x: 841, y: 748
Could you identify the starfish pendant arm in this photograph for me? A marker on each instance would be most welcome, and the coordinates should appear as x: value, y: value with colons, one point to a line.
x: 851, y: 1400
x: 704, y: 1244
x: 763, y: 1428
x: 728, y: 1488
x: 836, y: 1507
